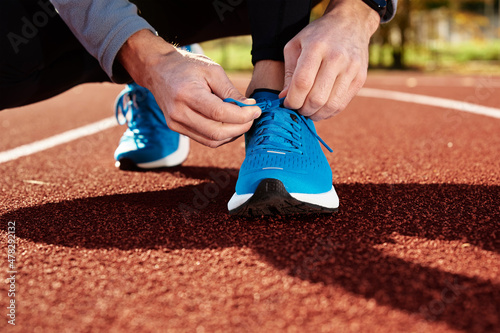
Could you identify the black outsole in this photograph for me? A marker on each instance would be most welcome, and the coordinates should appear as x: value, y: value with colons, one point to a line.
x: 272, y: 198
x: 126, y: 164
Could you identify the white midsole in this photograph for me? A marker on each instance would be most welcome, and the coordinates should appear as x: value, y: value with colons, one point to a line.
x: 171, y: 160
x: 328, y: 199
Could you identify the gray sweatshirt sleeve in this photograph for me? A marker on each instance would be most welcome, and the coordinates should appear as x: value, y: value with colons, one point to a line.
x: 102, y: 26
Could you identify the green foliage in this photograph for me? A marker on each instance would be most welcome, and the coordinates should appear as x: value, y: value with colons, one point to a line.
x: 233, y: 53
x: 463, y: 57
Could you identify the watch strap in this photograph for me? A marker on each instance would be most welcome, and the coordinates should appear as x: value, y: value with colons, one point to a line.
x: 379, y: 6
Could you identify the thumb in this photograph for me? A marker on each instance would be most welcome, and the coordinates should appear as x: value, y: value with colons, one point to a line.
x: 291, y: 53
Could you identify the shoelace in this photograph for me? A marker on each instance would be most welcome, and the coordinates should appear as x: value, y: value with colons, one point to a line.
x: 287, y: 130
x: 129, y: 100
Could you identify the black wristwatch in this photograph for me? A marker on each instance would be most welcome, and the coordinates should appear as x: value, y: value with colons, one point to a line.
x: 380, y: 6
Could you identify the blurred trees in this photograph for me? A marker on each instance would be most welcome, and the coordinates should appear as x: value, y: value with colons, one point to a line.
x: 427, y: 34
x: 428, y: 24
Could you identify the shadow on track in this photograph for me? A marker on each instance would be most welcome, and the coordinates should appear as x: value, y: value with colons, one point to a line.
x: 340, y: 249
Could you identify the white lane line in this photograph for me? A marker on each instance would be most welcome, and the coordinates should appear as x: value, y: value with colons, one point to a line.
x: 38, y: 146
x: 432, y: 101
x: 104, y: 124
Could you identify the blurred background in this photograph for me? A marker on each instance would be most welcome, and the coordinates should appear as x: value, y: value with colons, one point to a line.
x: 458, y: 36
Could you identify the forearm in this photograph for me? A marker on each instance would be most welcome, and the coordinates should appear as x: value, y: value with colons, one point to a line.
x: 102, y: 27
x: 141, y: 51
x: 359, y: 8
x: 358, y: 13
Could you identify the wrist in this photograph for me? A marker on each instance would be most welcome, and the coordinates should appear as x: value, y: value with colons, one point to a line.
x: 359, y: 11
x: 142, y: 51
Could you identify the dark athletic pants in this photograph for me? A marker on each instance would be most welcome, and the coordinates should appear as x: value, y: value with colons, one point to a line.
x: 50, y: 60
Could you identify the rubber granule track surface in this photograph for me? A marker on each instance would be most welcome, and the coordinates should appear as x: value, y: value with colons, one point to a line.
x: 414, y: 247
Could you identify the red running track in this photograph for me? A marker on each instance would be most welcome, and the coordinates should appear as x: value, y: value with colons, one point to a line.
x: 414, y: 247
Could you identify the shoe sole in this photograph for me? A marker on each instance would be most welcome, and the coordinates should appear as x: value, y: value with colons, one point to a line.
x: 272, y: 198
x: 172, y: 160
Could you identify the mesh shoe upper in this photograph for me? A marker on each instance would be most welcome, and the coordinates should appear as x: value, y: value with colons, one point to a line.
x: 283, y: 144
x: 148, y: 137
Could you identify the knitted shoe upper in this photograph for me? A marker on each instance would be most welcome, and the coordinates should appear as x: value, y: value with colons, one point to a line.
x: 282, y: 144
x: 148, y: 137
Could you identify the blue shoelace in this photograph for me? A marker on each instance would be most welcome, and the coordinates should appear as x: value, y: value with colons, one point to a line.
x: 287, y: 129
x: 129, y: 101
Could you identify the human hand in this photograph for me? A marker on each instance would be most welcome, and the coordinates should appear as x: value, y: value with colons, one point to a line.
x: 326, y: 63
x: 189, y: 88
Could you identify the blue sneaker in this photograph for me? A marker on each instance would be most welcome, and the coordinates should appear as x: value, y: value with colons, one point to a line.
x: 284, y: 171
x: 148, y: 142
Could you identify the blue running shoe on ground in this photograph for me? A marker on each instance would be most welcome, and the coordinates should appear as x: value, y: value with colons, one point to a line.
x: 148, y: 142
x: 284, y: 171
